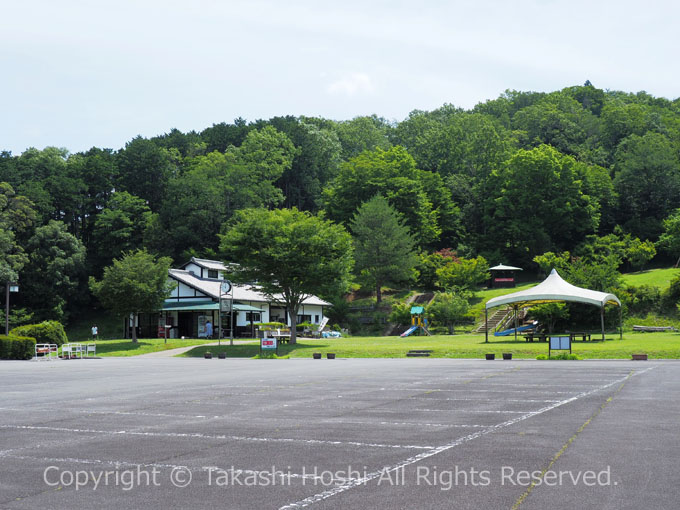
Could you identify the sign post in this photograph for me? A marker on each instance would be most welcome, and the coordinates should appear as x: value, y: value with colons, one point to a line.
x: 9, y: 287
x: 225, y: 287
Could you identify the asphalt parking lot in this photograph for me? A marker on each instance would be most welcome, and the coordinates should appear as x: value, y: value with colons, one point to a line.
x: 327, y: 434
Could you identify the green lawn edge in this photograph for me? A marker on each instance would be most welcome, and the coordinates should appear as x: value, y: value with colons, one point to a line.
x: 664, y: 345
x: 126, y: 348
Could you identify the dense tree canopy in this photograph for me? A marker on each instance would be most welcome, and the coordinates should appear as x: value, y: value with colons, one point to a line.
x: 512, y: 178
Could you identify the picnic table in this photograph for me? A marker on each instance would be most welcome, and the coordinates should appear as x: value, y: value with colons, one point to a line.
x: 540, y: 337
x: 282, y: 336
x: 584, y: 335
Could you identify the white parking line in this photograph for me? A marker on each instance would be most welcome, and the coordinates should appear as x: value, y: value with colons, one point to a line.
x: 218, y: 436
x: 436, y: 451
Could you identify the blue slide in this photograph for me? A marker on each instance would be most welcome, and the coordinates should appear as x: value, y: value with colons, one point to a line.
x: 507, y: 332
x: 409, y: 331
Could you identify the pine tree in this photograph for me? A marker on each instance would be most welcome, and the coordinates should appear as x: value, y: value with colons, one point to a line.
x: 384, y: 247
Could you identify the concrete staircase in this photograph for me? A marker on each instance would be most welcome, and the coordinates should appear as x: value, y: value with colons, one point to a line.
x: 498, y: 316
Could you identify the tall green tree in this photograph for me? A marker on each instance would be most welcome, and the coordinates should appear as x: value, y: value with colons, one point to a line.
x: 670, y: 239
x: 647, y: 182
x: 363, y: 134
x: 97, y: 170
x: 541, y: 205
x: 288, y: 254
x: 144, y: 170
x: 120, y: 227
x: 419, y: 196
x: 135, y: 283
x: 267, y: 153
x: 51, y: 276
x: 16, y: 218
x: 383, y: 246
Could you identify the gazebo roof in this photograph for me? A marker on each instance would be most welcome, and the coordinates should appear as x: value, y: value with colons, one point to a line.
x: 501, y: 267
x: 554, y: 288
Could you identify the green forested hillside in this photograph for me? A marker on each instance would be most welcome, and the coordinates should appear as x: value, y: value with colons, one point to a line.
x: 592, y: 172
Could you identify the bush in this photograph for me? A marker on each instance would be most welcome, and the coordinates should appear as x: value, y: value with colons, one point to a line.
x: 401, y: 314
x: 306, y: 325
x: 640, y: 300
x: 269, y: 326
x: 46, y: 332
x: 463, y: 273
x: 16, y: 347
x: 563, y: 356
x: 671, y: 296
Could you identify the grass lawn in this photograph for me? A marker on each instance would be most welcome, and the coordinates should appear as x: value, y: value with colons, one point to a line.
x: 125, y: 347
x: 656, y: 277
x: 656, y: 345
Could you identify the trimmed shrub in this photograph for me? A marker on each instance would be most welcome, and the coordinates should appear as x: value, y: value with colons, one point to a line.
x: 306, y: 325
x: 46, y: 332
x: 268, y: 326
x: 16, y: 347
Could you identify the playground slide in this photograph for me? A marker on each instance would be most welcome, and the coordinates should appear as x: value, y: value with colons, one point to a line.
x: 409, y: 331
x: 507, y: 332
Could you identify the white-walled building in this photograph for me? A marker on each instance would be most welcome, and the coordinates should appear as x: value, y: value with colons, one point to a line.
x: 196, y: 298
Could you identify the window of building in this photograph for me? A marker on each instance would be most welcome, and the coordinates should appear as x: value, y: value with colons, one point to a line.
x: 304, y: 318
x: 316, y: 319
x: 253, y: 316
x: 212, y: 273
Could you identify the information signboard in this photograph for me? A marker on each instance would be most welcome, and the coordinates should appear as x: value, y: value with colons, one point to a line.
x: 559, y: 343
x: 268, y: 344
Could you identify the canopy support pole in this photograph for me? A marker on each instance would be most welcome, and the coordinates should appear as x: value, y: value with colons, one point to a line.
x: 602, y: 320
x: 620, y: 323
x: 486, y: 325
x: 515, y: 307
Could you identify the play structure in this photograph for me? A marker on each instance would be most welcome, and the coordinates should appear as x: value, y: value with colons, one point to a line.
x: 418, y: 322
x: 510, y: 331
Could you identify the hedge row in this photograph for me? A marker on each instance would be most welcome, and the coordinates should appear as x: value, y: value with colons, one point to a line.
x: 47, y: 332
x: 16, y: 347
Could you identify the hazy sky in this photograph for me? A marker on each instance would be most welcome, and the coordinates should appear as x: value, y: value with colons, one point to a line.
x: 78, y: 74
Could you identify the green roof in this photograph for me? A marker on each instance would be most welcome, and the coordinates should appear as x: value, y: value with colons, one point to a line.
x: 185, y: 306
x: 246, y: 308
x: 196, y: 306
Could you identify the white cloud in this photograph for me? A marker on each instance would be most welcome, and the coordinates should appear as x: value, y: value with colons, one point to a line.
x: 352, y: 84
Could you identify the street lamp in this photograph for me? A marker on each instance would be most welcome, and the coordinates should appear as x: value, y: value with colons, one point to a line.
x: 9, y: 287
x: 225, y: 288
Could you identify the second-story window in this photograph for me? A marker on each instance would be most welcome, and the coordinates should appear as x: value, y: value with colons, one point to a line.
x: 212, y: 273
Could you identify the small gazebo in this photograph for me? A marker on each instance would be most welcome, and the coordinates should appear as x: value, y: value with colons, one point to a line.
x: 554, y: 289
x: 503, y: 276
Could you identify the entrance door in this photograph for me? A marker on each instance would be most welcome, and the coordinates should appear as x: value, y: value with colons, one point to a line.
x: 185, y: 324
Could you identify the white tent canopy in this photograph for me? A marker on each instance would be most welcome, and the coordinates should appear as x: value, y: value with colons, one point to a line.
x: 552, y: 289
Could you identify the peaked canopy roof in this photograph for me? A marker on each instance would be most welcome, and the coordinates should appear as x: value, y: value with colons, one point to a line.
x: 554, y: 288
x: 503, y: 267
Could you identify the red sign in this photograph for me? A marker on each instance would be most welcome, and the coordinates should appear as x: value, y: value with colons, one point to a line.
x: 268, y: 343
x: 503, y: 279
